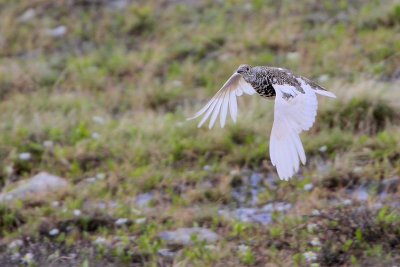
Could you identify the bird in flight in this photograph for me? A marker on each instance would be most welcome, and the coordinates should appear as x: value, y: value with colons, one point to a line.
x: 295, y: 109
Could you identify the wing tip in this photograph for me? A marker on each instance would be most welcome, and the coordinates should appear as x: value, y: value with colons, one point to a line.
x: 326, y: 93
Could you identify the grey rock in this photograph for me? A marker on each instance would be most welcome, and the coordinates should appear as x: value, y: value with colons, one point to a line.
x: 140, y: 220
x: 262, y: 215
x: 166, y: 253
x: 255, y: 179
x: 54, y: 232
x: 184, y: 236
x: 41, y: 184
x: 361, y: 194
x: 121, y: 221
x: 15, y: 244
x: 277, y: 206
x: 250, y: 215
x: 143, y: 200
x: 27, y: 15
x: 28, y: 259
x: 57, y: 31
x: 308, y: 187
x: 16, y: 256
x: 100, y: 241
x: 118, y: 4
x: 25, y: 156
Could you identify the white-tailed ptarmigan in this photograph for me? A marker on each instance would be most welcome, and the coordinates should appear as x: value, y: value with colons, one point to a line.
x: 295, y: 109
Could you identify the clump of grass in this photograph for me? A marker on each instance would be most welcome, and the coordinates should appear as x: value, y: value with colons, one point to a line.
x: 354, y: 233
x: 143, y: 21
x: 359, y: 115
x: 90, y: 223
x: 9, y: 219
x: 167, y: 100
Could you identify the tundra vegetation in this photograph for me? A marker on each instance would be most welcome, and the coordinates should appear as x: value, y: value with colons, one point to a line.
x: 97, y: 92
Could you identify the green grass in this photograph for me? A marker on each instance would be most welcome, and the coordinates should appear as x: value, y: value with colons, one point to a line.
x: 113, y: 94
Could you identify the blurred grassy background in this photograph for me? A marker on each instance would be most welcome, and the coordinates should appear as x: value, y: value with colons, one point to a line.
x: 97, y: 92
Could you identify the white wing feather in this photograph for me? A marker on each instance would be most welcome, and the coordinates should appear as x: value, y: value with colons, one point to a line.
x: 224, y: 99
x: 294, y: 112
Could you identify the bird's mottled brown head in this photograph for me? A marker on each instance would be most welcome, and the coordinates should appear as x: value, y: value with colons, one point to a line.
x: 243, y: 69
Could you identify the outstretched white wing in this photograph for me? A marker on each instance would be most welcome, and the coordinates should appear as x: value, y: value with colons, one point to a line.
x: 224, y: 99
x: 294, y: 112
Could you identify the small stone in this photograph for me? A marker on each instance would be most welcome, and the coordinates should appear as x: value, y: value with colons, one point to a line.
x: 183, y: 236
x: 48, y: 144
x: 255, y: 179
x: 323, y: 78
x: 16, y: 256
x: 167, y: 253
x: 121, y: 221
x: 15, y: 244
x: 358, y: 170
x: 57, y: 31
x: 323, y: 149
x: 312, y: 227
x: 310, y: 256
x: 243, y: 249
x: 54, y: 232
x: 118, y: 4
x: 98, y: 119
x: 77, y: 213
x: 315, y: 213
x: 101, y: 176
x: 315, y: 242
x: 28, y: 258
x: 100, y: 241
x: 308, y: 187
x: 207, y: 167
x: 96, y: 135
x: 361, y: 194
x: 25, y: 156
x: 244, y: 214
x: 293, y: 56
x: 140, y: 220
x: 347, y: 202
x: 101, y: 205
x: 177, y: 83
x: 143, y: 200
x: 90, y: 180
x: 234, y: 172
x: 282, y: 206
x: 27, y: 15
x: 55, y: 204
